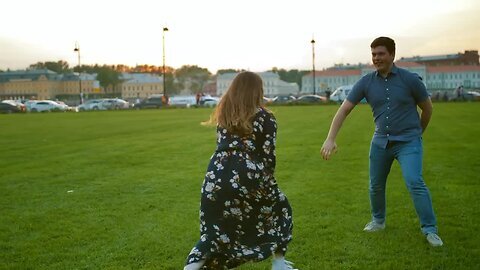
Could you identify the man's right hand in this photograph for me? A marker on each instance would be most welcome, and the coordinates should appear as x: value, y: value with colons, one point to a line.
x: 329, y: 147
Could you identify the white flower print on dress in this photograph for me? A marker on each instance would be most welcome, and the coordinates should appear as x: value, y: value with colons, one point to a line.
x: 260, y: 166
x: 266, y: 210
x: 219, y: 166
x: 233, y: 144
x: 209, y: 187
x: 247, y: 252
x: 236, y: 211
x: 250, y: 165
x: 224, y: 238
x: 210, y: 175
x: 266, y: 147
x: 234, y: 184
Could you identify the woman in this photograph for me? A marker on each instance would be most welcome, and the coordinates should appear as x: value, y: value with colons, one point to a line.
x: 243, y: 214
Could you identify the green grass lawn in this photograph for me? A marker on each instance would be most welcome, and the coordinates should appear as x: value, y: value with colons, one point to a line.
x: 121, y: 190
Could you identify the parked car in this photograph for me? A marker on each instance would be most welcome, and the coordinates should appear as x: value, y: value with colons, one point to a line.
x: 311, y: 99
x: 472, y: 95
x: 6, y: 107
x: 47, y: 106
x: 16, y: 103
x: 67, y: 108
x: 151, y: 102
x: 267, y: 100
x: 284, y: 99
x: 209, y: 101
x: 341, y: 93
x: 92, y: 104
x: 115, y: 104
x: 28, y: 104
x: 182, y: 101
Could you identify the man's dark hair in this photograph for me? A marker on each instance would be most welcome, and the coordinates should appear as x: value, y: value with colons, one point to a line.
x: 384, y: 41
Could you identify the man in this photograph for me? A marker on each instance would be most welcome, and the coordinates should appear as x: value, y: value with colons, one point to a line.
x: 393, y: 94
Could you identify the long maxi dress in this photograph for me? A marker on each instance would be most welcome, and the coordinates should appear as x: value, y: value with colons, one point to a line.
x: 243, y: 214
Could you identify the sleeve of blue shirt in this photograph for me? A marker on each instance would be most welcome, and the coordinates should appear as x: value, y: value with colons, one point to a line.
x: 358, y: 91
x: 419, y: 91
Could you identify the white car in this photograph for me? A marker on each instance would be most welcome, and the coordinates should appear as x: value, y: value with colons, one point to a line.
x: 209, y: 101
x: 46, y: 106
x: 115, y: 104
x: 341, y: 93
x: 29, y: 103
x: 93, y: 104
x: 67, y: 108
x: 186, y: 101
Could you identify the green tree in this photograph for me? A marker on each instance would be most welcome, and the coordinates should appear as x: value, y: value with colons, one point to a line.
x: 229, y: 70
x: 293, y: 75
x: 87, y: 69
x: 58, y: 67
x: 170, y: 83
x: 108, y: 77
x: 192, y: 77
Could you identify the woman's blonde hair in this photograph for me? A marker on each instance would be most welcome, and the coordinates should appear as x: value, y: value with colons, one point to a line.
x: 239, y: 104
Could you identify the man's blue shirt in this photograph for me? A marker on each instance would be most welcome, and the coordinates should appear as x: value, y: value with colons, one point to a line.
x: 394, y: 102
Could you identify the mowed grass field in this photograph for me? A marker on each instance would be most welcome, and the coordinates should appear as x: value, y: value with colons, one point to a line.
x: 121, y: 190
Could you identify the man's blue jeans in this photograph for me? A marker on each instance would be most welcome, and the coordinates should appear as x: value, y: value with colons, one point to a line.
x: 409, y: 156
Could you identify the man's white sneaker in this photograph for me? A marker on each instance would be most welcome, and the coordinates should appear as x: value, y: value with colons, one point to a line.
x: 434, y: 240
x: 282, y: 264
x: 373, y: 226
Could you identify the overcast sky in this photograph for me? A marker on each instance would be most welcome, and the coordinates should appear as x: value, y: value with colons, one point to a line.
x: 249, y: 34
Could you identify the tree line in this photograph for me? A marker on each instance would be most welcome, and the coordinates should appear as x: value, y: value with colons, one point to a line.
x: 190, y: 77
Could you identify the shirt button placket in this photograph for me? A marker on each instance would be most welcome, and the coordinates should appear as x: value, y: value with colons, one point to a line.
x: 387, y: 122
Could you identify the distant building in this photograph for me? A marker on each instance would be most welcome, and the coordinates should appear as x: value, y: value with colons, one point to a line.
x: 45, y: 84
x: 272, y: 85
x: 441, y: 77
x: 467, y: 59
x: 450, y: 77
x: 348, y: 66
x: 140, y: 85
x: 434, y: 77
x: 223, y: 82
x: 413, y: 67
x: 329, y: 79
x: 70, y: 85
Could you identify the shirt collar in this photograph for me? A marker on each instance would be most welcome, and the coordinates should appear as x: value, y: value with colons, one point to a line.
x: 394, y: 71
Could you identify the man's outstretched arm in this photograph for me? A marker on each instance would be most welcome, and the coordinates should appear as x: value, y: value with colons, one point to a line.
x: 329, y: 146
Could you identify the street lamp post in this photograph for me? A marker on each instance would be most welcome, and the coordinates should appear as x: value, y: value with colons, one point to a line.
x: 165, y: 29
x: 77, y: 49
x: 313, y: 63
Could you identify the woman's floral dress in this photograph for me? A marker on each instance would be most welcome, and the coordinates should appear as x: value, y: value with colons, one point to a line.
x: 243, y: 214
